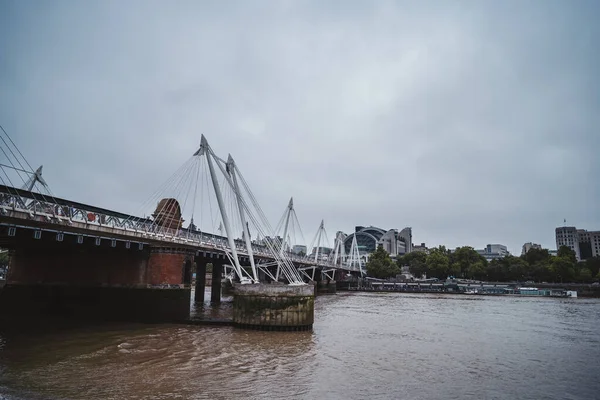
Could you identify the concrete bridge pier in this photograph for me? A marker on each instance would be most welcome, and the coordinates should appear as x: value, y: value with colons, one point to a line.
x: 274, y: 307
x: 327, y: 287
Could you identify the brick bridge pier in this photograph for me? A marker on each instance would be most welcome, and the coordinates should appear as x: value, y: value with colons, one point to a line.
x: 94, y: 278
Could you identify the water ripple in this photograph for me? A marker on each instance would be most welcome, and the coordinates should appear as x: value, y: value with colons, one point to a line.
x: 377, y: 346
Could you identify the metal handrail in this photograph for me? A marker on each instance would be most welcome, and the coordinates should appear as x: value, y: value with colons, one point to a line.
x: 20, y: 203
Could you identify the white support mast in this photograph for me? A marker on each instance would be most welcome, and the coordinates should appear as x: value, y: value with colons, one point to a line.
x: 339, y: 248
x: 355, y: 253
x: 319, y: 234
x: 231, y: 170
x: 206, y: 150
x: 290, y: 209
x: 34, y: 178
x: 342, y: 250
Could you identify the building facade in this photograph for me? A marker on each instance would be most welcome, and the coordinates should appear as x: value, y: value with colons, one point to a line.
x: 589, y: 244
x: 567, y: 236
x: 369, y: 238
x: 422, y: 248
x: 494, y: 251
x: 299, y: 249
x: 528, y: 246
x: 585, y: 244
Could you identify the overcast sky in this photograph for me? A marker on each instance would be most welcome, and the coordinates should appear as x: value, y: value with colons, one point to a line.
x: 472, y: 122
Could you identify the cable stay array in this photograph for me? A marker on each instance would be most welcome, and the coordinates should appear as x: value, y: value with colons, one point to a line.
x: 354, y: 262
x: 16, y: 172
x: 206, y: 202
x: 319, y: 243
x: 213, y: 195
x: 340, y: 259
x: 289, y: 233
x: 288, y: 229
x: 339, y: 251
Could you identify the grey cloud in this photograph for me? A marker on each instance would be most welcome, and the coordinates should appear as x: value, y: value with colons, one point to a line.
x: 472, y: 122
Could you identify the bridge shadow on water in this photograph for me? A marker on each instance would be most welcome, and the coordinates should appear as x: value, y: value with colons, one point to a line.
x: 205, y: 313
x: 210, y: 312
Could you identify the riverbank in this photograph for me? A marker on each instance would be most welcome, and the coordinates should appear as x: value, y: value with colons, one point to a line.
x: 482, y: 288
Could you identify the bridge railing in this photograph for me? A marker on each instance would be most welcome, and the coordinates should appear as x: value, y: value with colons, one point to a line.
x: 30, y: 206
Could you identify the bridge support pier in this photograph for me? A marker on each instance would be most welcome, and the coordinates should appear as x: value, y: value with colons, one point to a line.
x: 326, y: 287
x: 200, y: 279
x: 90, y: 281
x: 326, y: 283
x: 215, y: 289
x: 274, y: 307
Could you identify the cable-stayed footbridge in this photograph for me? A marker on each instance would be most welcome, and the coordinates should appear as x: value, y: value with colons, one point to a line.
x: 225, y: 225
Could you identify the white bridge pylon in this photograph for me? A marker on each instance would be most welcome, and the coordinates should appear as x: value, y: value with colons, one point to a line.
x: 291, y: 229
x: 207, y: 175
x: 354, y: 261
x: 318, y: 244
x: 231, y: 174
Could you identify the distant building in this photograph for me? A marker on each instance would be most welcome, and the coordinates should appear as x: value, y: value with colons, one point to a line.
x: 528, y: 246
x: 589, y: 244
x: 405, y: 237
x: 494, y: 251
x: 421, y: 248
x: 567, y: 236
x: 299, y: 249
x: 275, y: 242
x: 585, y: 244
x: 369, y: 238
x: 324, y: 252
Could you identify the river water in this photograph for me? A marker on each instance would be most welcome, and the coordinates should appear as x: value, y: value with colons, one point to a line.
x: 364, y: 345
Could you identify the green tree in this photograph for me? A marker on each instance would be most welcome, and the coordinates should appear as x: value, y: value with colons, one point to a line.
x: 495, y: 271
x: 454, y: 269
x: 477, y: 270
x: 468, y: 263
x: 438, y: 264
x: 566, y: 252
x: 518, y: 269
x: 563, y: 268
x: 534, y: 256
x: 416, y: 261
x: 585, y: 275
x: 541, y: 271
x: 593, y: 264
x: 443, y: 249
x: 381, y: 265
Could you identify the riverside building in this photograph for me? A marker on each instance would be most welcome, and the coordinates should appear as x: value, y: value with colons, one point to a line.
x: 585, y: 244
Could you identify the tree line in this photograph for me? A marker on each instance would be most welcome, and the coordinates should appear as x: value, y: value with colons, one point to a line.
x: 536, y: 265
